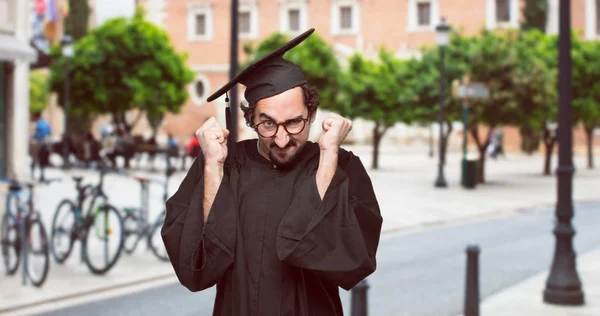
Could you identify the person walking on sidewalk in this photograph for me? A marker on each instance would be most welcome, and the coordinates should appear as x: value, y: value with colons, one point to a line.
x: 281, y: 223
x: 39, y: 146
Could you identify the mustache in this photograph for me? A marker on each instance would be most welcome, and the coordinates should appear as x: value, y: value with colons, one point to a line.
x: 291, y: 143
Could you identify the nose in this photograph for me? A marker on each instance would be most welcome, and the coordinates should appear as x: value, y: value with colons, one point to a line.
x: 282, y: 138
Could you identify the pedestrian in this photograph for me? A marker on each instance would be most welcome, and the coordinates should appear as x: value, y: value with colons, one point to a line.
x: 280, y: 224
x: 39, y: 145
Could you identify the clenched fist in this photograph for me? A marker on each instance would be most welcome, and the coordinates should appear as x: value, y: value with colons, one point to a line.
x: 213, y: 141
x: 335, y: 130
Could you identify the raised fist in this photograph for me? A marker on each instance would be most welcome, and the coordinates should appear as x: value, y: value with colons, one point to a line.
x: 335, y: 130
x: 213, y: 141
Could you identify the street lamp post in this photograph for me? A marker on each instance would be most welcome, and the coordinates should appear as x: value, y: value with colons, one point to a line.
x: 233, y: 69
x: 442, y: 38
x: 67, y: 52
x: 563, y: 286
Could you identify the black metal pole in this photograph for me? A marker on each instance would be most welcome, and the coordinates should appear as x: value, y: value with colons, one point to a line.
x: 233, y: 70
x: 66, y: 162
x: 441, y: 181
x: 472, y: 282
x: 563, y: 286
x: 359, y: 299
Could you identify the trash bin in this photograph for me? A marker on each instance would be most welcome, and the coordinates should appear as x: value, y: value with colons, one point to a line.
x: 469, y: 171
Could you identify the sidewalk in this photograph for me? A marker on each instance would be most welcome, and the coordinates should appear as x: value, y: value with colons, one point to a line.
x: 403, y: 185
x: 526, y: 298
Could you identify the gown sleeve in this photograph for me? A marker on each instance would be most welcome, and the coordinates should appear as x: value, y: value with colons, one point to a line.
x: 200, y: 252
x: 336, y: 237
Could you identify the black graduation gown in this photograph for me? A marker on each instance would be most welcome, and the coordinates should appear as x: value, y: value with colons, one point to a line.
x: 270, y: 244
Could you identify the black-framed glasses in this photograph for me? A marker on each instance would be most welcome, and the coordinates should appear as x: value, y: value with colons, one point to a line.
x: 269, y: 128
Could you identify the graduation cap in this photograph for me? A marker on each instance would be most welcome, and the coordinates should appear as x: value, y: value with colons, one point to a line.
x: 268, y: 76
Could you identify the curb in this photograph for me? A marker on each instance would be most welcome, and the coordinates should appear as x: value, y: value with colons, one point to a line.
x: 496, y: 214
x: 94, y: 291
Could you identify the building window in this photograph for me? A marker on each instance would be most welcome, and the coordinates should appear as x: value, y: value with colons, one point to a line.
x: 423, y: 15
x: 248, y: 20
x: 244, y: 23
x: 424, y: 11
x: 502, y: 14
x: 345, y: 17
x: 293, y: 17
x: 199, y: 89
x: 294, y: 20
x: 200, y: 22
x: 502, y: 11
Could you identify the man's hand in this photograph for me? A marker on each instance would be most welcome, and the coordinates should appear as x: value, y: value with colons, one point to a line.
x: 212, y: 141
x: 335, y: 130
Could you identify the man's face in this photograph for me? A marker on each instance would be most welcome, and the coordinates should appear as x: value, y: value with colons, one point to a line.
x: 284, y: 107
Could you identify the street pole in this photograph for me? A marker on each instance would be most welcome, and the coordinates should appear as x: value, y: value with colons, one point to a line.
x: 465, y: 117
x: 66, y: 162
x: 67, y: 52
x: 233, y: 70
x: 563, y: 286
x: 441, y: 181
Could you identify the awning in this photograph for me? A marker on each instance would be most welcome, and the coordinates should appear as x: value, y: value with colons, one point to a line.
x: 14, y: 49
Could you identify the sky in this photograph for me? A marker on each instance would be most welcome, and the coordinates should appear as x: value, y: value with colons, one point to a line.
x: 108, y: 9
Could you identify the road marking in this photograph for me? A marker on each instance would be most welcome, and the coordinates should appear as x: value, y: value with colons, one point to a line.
x: 99, y: 295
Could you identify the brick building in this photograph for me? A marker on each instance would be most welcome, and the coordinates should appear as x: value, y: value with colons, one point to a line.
x: 201, y: 28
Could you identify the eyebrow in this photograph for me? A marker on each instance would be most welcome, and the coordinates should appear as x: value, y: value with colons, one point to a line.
x: 266, y: 116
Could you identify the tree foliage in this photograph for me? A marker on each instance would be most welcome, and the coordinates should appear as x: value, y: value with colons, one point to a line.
x: 121, y: 65
x: 586, y: 88
x: 39, y: 91
x: 535, y: 15
x: 535, y: 80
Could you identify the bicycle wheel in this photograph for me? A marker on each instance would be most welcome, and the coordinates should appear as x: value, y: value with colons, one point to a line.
x: 103, y: 240
x: 131, y: 234
x: 38, y: 257
x: 62, y: 234
x: 10, y: 244
x: 155, y: 240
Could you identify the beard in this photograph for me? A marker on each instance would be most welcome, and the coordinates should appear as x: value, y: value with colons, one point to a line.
x: 283, y: 160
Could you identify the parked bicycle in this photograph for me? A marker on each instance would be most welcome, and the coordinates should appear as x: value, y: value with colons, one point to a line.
x: 23, y: 234
x: 137, y: 223
x: 100, y: 229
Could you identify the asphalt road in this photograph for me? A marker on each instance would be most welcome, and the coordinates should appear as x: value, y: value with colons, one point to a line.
x: 418, y: 274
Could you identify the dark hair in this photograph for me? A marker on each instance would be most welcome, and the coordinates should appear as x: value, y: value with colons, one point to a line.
x: 309, y: 94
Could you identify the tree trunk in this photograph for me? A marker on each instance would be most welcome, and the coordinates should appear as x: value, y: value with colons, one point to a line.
x: 481, y: 146
x: 378, y: 132
x: 589, y: 132
x: 549, y: 142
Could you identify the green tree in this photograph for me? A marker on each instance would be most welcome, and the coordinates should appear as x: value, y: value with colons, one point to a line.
x: 493, y: 61
x: 39, y: 91
x: 122, y: 65
x: 535, y: 15
x: 535, y: 90
x: 76, y: 23
x: 314, y: 56
x: 586, y: 89
x: 456, y: 63
x: 382, y: 91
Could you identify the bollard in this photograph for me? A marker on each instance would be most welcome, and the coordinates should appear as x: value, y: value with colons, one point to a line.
x: 359, y: 299
x: 472, y: 283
